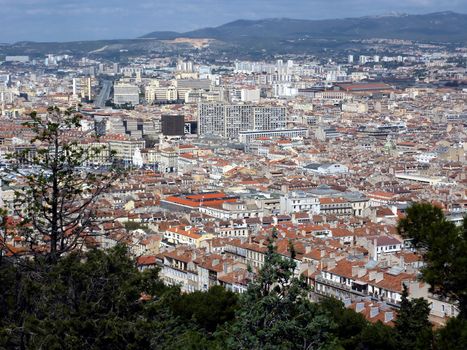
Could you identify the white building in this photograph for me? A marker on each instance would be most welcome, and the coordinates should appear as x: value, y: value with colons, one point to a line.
x: 425, y: 158
x: 294, y: 202
x: 250, y: 95
x: 355, y: 107
x: 249, y: 136
x: 126, y: 93
x: 228, y: 120
x: 326, y: 168
x: 384, y: 245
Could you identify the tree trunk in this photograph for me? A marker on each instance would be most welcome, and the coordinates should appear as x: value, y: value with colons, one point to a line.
x: 55, y: 194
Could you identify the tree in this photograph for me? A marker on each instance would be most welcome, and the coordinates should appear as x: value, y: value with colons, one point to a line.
x: 57, y: 197
x: 412, y: 325
x: 97, y: 300
x: 349, y: 324
x: 4, y: 234
x: 453, y: 336
x: 275, y: 312
x: 443, y: 246
x: 209, y: 309
x: 378, y: 336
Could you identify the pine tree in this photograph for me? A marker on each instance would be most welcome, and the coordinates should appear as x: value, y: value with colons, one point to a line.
x: 275, y: 312
x: 443, y: 246
x: 57, y: 197
x: 412, y: 325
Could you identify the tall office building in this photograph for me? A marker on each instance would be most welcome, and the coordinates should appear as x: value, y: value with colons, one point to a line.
x: 227, y: 120
x: 173, y: 125
x: 126, y: 93
x: 350, y: 59
x: 86, y: 88
x: 75, y: 90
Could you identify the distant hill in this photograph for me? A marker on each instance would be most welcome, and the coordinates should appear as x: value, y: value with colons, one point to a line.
x: 437, y: 27
x: 254, y: 39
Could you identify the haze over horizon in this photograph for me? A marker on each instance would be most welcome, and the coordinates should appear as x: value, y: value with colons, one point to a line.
x: 69, y: 20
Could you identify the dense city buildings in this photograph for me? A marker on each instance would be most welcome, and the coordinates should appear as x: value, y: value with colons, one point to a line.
x: 326, y: 152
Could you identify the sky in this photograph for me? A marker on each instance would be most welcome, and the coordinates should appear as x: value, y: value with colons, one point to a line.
x: 69, y: 20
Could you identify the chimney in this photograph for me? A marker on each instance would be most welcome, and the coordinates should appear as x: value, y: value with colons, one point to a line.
x: 226, y: 268
x: 322, y: 252
x: 372, y: 275
x: 388, y: 316
x: 354, y: 270
x: 359, y: 307
x: 374, y: 311
x: 361, y: 272
x: 331, y: 263
x: 379, y: 277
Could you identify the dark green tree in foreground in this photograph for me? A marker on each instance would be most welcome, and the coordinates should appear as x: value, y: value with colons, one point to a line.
x: 275, y: 312
x: 444, y: 248
x: 94, y: 301
x: 412, y: 325
x: 208, y: 309
x: 453, y: 336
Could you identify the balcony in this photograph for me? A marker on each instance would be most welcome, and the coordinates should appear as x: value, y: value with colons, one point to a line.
x: 390, y: 301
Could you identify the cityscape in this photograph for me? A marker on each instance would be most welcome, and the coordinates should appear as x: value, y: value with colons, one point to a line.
x: 237, y: 177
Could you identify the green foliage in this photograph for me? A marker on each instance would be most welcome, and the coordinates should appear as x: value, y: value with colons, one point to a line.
x: 378, y: 336
x: 420, y: 222
x: 350, y: 324
x: 92, y: 301
x: 443, y: 246
x: 412, y: 325
x: 133, y: 225
x: 453, y: 336
x: 209, y: 309
x: 275, y: 312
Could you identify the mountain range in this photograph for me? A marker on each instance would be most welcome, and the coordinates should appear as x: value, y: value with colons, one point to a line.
x: 253, y: 38
x: 438, y: 27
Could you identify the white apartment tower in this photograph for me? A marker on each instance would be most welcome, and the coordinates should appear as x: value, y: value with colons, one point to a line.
x: 126, y: 93
x: 228, y: 120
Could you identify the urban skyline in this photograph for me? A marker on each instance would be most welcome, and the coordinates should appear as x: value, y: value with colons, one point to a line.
x: 264, y: 184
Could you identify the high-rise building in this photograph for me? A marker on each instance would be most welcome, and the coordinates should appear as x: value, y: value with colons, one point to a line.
x: 227, y: 120
x: 86, y: 88
x: 173, y: 125
x: 362, y: 59
x: 75, y: 94
x: 350, y: 59
x: 126, y: 93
